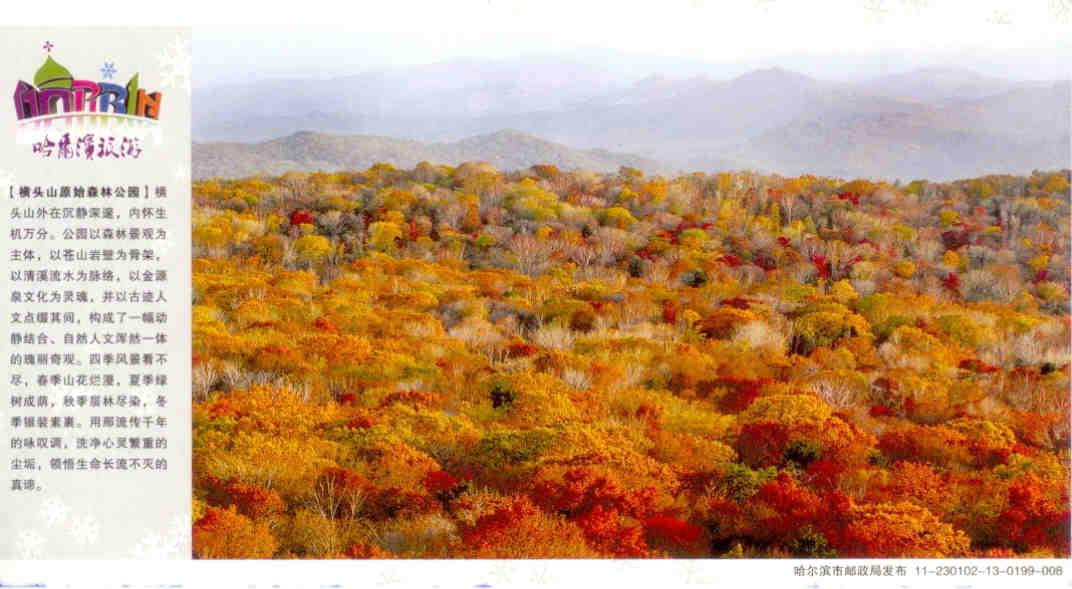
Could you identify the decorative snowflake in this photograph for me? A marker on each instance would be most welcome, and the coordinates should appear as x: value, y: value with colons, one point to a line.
x: 48, y: 46
x: 180, y: 173
x: 84, y: 529
x: 108, y: 70
x: 915, y: 6
x: 502, y: 572
x: 1062, y: 10
x: 164, y: 248
x: 999, y: 17
x: 627, y: 569
x: 30, y: 544
x: 541, y: 575
x: 156, y: 546
x: 7, y: 178
x: 54, y: 511
x: 692, y: 573
x: 180, y: 529
x: 389, y: 577
x: 876, y: 9
x: 176, y: 64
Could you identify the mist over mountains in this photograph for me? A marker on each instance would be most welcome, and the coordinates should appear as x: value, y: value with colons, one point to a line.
x: 307, y: 150
x: 937, y: 123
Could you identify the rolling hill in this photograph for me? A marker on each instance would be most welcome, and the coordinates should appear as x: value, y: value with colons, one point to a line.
x: 320, y: 151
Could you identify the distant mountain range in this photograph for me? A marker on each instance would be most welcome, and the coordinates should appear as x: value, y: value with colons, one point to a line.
x: 928, y: 123
x: 506, y: 150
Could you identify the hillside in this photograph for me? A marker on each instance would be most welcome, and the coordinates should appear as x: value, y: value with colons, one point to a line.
x: 321, y: 151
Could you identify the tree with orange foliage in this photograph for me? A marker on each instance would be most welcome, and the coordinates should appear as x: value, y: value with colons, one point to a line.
x: 899, y: 530
x: 225, y: 533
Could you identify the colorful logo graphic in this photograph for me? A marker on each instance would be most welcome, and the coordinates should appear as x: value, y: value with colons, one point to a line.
x: 108, y: 120
x: 55, y: 92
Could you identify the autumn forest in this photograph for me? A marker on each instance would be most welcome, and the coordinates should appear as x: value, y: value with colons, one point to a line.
x: 463, y: 362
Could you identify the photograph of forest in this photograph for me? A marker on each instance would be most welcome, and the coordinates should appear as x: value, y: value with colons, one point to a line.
x: 680, y: 280
x: 460, y: 361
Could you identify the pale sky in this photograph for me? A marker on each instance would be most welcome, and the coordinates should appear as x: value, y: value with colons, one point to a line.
x: 254, y: 38
x: 1015, y: 38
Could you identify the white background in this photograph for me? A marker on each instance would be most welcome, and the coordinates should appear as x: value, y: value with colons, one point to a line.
x: 700, y: 28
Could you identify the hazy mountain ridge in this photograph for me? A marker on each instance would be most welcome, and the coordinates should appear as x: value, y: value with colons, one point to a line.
x: 428, y: 102
x: 320, y: 151
x: 939, y: 85
x: 1013, y: 132
x: 940, y: 123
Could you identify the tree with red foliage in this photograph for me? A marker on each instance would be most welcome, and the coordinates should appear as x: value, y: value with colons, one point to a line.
x: 782, y: 514
x: 673, y: 535
x: 954, y: 240
x: 730, y: 260
x: 519, y: 348
x: 1034, y: 519
x: 443, y: 485
x: 737, y: 303
x: 650, y: 413
x: 670, y: 311
x: 518, y: 529
x: 824, y: 473
x: 740, y: 391
x: 763, y: 443
x: 360, y: 419
x: 608, y: 514
x: 301, y: 217
x: 849, y: 197
x: 606, y: 531
x: 951, y: 282
x: 790, y: 507
x: 341, y: 492
x: 583, y: 489
x: 252, y: 501
x: 822, y: 266
x: 439, y: 481
x: 881, y: 410
x: 976, y: 365
x: 365, y: 551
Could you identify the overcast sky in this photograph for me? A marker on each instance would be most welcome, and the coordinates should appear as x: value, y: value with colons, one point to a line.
x: 839, y: 39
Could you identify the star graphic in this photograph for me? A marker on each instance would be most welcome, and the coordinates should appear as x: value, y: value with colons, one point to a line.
x: 108, y: 70
x: 48, y: 46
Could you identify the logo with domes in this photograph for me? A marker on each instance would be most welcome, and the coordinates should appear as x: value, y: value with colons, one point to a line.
x: 56, y: 93
x: 57, y: 101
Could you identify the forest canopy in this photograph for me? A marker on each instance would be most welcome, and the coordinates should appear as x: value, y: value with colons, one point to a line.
x: 446, y: 362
